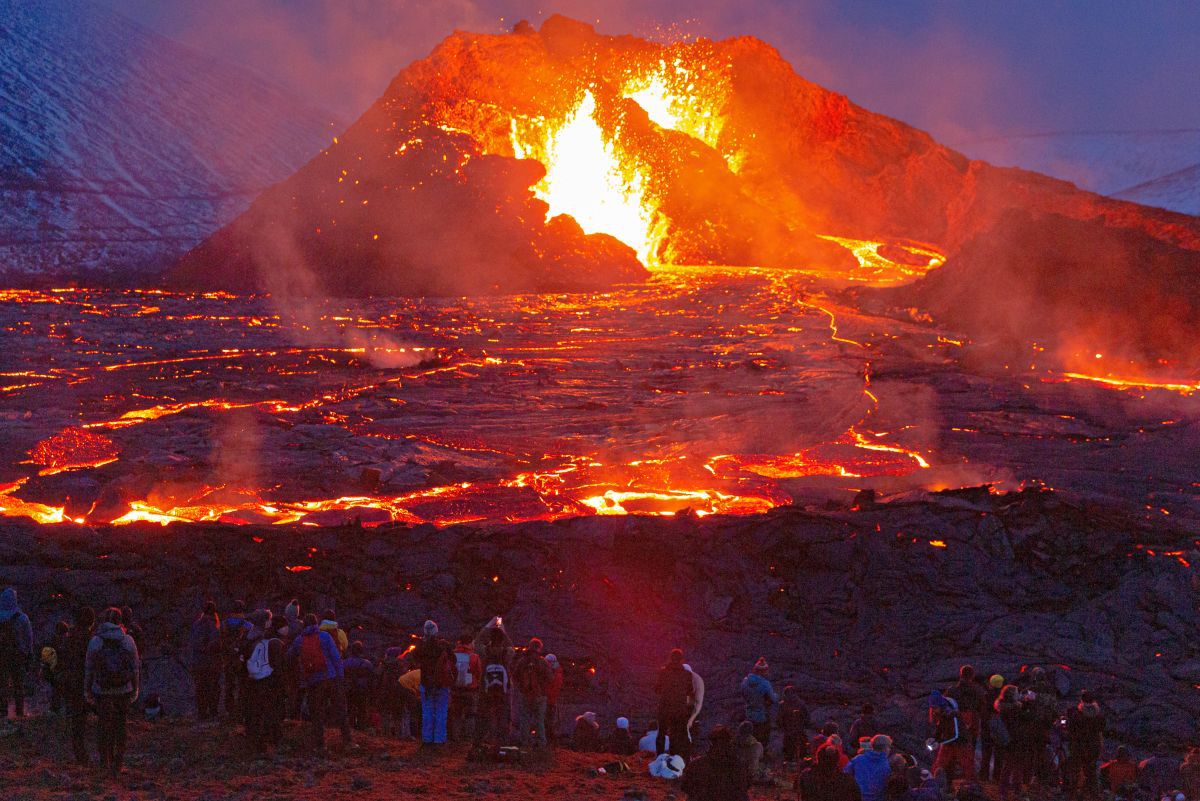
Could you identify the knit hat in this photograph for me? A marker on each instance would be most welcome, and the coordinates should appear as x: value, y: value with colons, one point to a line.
x: 761, y: 665
x: 431, y: 628
x: 552, y: 660
x: 292, y: 609
x: 590, y: 717
x: 996, y: 681
x: 623, y: 723
x: 535, y: 645
x: 939, y: 701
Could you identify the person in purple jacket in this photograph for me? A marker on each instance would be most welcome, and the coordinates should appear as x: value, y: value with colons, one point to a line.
x: 319, y: 666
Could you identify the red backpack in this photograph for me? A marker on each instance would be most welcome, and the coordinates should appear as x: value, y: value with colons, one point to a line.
x: 312, y: 655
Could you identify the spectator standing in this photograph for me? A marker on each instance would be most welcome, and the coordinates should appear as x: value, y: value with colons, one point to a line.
x: 113, y: 677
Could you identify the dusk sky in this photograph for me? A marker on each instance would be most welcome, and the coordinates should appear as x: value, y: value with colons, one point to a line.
x: 962, y: 70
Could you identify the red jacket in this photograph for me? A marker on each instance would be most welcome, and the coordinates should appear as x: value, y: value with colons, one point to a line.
x: 474, y: 667
x: 556, y: 684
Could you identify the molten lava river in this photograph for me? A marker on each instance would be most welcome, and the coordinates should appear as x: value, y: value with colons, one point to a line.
x: 720, y: 391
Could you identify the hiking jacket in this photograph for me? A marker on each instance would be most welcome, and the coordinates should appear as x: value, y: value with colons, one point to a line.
x: 427, y: 657
x: 674, y: 690
x: 871, y: 770
x: 114, y: 633
x: 759, y: 696
x: 334, y: 668
x: 205, y: 643
x: 1085, y: 729
x: 11, y: 614
x: 715, y: 777
x: 340, y: 639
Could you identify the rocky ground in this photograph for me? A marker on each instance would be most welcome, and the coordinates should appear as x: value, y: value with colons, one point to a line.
x: 879, y: 604
x: 175, y: 760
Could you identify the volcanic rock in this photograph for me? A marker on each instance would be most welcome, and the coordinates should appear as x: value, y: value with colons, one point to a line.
x: 880, y: 604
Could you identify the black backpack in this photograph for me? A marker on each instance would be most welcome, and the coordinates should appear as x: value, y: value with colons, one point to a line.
x: 114, y: 665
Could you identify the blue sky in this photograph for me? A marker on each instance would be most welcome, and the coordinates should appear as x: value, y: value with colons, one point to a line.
x: 962, y: 70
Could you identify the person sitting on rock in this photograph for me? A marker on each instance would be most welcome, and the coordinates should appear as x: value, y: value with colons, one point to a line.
x: 585, y: 734
x: 760, y: 696
x: 620, y: 742
x: 716, y: 775
x: 649, y: 741
x: 1159, y: 773
x: 674, y: 690
x: 871, y: 769
x: 793, y: 722
x: 1120, y: 773
x: 825, y: 781
x: 749, y: 753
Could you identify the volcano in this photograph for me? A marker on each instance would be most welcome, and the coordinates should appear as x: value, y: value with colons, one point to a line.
x: 560, y: 158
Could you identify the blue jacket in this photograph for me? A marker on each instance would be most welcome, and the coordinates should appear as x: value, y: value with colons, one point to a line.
x: 871, y: 770
x: 333, y: 659
x: 759, y: 696
x: 10, y: 611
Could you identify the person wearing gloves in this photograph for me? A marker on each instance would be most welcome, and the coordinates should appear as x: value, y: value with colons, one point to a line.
x: 113, y: 680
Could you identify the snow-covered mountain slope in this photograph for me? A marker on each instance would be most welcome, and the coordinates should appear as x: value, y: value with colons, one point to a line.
x: 1157, y: 168
x: 120, y: 149
x: 1178, y: 191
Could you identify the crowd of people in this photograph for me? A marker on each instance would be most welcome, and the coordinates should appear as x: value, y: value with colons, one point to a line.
x: 259, y: 669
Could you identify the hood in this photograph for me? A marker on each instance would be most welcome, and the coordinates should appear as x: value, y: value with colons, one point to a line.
x: 878, y: 757
x: 8, y: 603
x: 110, y: 631
x: 311, y: 629
x: 328, y: 625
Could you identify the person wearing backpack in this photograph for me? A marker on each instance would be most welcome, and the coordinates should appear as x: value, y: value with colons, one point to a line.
x: 204, y: 643
x: 262, y: 654
x: 16, y: 652
x: 360, y: 676
x: 319, y: 667
x: 496, y: 683
x: 434, y: 659
x: 233, y: 632
x: 1085, y: 742
x: 532, y: 676
x: 113, y: 678
x: 674, y: 691
x: 464, y: 696
x: 340, y: 638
